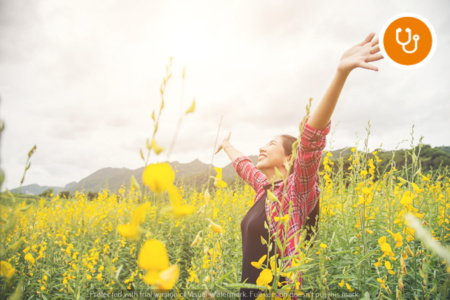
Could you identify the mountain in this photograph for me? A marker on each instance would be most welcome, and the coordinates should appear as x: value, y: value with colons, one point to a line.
x: 35, y: 189
x: 194, y: 173
x: 197, y: 174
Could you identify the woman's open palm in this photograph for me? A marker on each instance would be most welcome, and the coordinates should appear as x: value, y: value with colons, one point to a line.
x: 361, y: 55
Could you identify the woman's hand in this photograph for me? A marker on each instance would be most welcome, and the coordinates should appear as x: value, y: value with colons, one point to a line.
x: 360, y: 55
x: 225, y: 142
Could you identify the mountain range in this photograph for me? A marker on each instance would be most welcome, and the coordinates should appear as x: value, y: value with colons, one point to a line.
x: 196, y: 173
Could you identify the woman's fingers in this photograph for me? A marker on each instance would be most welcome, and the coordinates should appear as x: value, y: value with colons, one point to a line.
x: 221, y: 145
x: 367, y: 39
x: 368, y: 66
x: 374, y: 57
x: 229, y: 135
x: 375, y: 49
x: 375, y: 42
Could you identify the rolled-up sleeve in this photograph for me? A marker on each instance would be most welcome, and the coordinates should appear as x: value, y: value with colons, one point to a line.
x: 249, y: 173
x: 307, y: 162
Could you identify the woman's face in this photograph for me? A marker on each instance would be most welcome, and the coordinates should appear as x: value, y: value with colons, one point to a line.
x: 272, y: 155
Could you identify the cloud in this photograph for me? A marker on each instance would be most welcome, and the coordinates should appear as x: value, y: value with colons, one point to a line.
x: 80, y: 79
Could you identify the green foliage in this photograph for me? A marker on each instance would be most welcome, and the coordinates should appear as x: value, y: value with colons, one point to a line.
x: 47, y: 193
x: 64, y: 194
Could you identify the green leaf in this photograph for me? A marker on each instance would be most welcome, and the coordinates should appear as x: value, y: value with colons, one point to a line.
x: 263, y: 241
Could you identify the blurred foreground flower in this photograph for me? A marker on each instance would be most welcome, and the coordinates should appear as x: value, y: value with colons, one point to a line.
x: 133, y: 231
x: 154, y: 260
x: 6, y: 270
x: 218, y: 182
x: 158, y: 177
x: 178, y: 208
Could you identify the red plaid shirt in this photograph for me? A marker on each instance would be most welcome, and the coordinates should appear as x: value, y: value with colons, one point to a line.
x: 302, y: 188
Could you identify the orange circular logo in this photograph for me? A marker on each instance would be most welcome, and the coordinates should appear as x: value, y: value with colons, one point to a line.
x: 407, y: 41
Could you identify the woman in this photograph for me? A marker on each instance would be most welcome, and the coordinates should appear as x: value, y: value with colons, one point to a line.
x: 302, y: 189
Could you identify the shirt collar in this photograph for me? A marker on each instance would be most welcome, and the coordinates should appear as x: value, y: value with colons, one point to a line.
x: 269, y: 185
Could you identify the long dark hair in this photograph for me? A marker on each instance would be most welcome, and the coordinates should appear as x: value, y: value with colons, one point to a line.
x: 288, y: 141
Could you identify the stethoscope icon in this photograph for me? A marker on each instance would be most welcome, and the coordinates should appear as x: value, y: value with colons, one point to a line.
x: 415, y: 38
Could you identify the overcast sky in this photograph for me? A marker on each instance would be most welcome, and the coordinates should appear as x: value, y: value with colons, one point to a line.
x: 80, y: 79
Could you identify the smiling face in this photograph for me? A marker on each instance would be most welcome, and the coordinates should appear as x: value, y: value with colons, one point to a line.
x: 272, y: 155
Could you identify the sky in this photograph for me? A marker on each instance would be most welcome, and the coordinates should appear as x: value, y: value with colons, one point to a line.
x: 80, y: 79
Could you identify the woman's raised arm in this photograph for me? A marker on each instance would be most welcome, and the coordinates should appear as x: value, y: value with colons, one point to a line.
x: 232, y: 152
x: 358, y: 56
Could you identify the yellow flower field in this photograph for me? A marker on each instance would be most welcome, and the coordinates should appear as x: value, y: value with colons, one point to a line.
x: 122, y: 243
x: 167, y: 241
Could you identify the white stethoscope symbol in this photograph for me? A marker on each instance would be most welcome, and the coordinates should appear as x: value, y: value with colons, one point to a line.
x: 415, y: 38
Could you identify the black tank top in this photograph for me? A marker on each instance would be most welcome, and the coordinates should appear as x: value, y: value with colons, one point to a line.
x: 252, y: 228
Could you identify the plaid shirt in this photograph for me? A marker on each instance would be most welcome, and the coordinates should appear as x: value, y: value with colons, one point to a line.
x: 302, y: 187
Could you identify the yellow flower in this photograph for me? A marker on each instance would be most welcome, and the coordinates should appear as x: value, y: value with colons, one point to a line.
x: 341, y: 284
x: 216, y: 228
x: 386, y: 248
x: 132, y: 231
x: 29, y: 258
x: 398, y: 238
x: 153, y: 256
x: 388, y: 266
x: 369, y: 231
x: 424, y: 178
x: 139, y: 213
x: 178, y: 208
x: 383, y: 286
x: 416, y: 188
x: 6, y: 270
x: 261, y: 296
x: 168, y: 278
x: 364, y: 173
x: 99, y: 277
x: 183, y: 210
x: 366, y: 191
x: 381, y: 240
x: 265, y: 277
x: 192, y: 276
x: 129, y: 231
x: 151, y: 277
x: 285, y: 218
x: 154, y: 259
x: 323, y: 246
x: 218, y: 182
x: 349, y: 287
x: 259, y: 263
x: 158, y: 177
x: 89, y: 277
